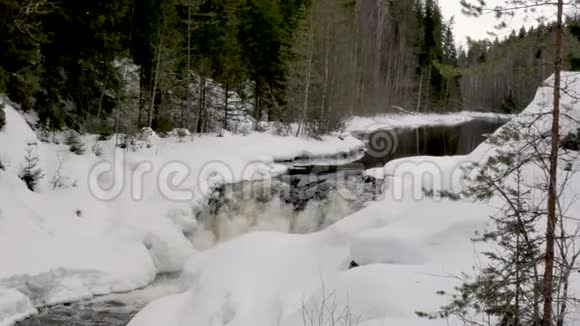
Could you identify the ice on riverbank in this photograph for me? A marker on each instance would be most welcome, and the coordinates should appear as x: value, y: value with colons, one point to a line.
x: 414, y: 120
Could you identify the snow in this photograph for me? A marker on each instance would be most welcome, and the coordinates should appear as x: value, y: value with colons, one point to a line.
x: 279, y: 276
x: 377, y: 173
x: 117, y: 220
x: 114, y: 221
x: 276, y: 274
x: 414, y: 120
x: 14, y: 306
x: 409, y: 245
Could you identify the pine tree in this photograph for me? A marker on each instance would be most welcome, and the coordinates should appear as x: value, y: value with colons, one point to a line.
x: 78, y: 75
x: 508, y: 288
x: 22, y: 33
x: 31, y: 173
x: 75, y: 144
x: 263, y: 49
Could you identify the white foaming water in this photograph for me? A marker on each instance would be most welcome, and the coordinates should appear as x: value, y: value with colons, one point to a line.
x: 258, y: 206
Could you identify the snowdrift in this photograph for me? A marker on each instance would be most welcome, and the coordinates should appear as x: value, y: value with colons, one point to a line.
x: 110, y: 220
x: 408, y: 246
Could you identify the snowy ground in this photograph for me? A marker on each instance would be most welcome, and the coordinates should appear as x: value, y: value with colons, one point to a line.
x: 115, y: 221
x: 111, y: 222
x: 409, y: 119
x: 408, y: 245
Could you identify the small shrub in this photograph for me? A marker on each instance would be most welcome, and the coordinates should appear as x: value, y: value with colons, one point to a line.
x: 262, y: 126
x: 164, y: 124
x: 182, y: 133
x: 58, y: 179
x: 31, y: 173
x: 280, y: 129
x: 102, y: 127
x: 571, y: 141
x: 2, y: 116
x: 122, y: 141
x: 75, y: 144
x: 97, y: 150
x: 44, y: 135
x: 57, y: 182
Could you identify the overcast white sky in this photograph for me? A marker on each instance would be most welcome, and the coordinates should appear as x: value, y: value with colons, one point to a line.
x: 477, y: 28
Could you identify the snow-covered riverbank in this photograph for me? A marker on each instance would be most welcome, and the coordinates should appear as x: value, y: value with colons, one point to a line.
x: 409, y: 246
x: 111, y: 222
x: 113, y: 228
x: 413, y: 120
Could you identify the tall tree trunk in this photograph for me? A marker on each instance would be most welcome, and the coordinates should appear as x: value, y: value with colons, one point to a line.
x: 379, y: 30
x: 156, y: 79
x: 198, y: 117
x: 227, y: 97
x: 307, y: 86
x: 552, y: 192
x: 428, y: 89
x: 257, y: 104
x: 188, y: 72
x: 202, y: 104
x: 420, y: 90
x: 101, y: 98
x: 326, y: 63
x: 446, y: 96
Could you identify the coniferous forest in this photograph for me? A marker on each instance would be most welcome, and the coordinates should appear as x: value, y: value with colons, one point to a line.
x: 120, y: 65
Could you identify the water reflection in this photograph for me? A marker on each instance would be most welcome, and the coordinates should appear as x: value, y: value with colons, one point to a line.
x: 384, y: 146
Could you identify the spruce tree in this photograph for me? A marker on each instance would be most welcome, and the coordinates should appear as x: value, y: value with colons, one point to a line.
x: 79, y: 76
x: 75, y: 145
x: 507, y: 289
x: 31, y: 173
x: 22, y: 32
x: 263, y: 49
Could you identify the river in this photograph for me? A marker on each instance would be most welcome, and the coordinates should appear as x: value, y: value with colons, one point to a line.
x: 304, y: 196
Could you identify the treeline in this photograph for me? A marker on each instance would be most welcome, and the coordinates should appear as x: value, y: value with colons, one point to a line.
x: 119, y: 65
x: 71, y: 61
x: 371, y: 56
x: 504, y: 75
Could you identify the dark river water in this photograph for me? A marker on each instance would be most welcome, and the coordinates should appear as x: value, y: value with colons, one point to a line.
x: 382, y: 146
x: 386, y: 145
